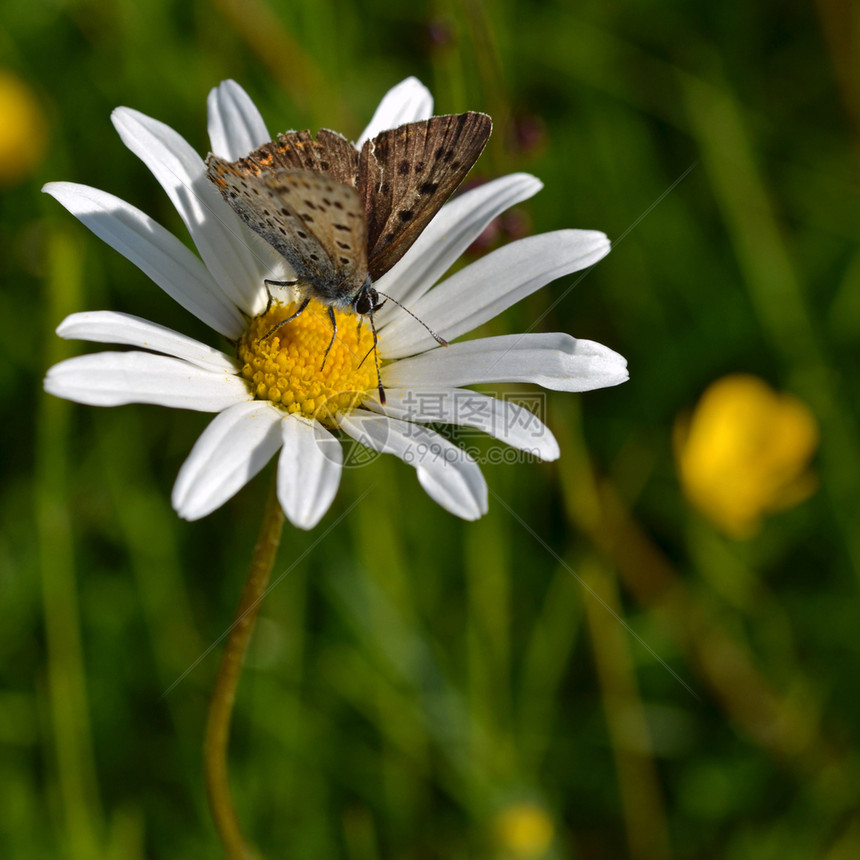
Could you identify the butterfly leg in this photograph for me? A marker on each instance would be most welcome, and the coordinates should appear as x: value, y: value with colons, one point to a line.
x: 268, y: 282
x: 375, y: 352
x: 290, y: 318
x: 333, y: 335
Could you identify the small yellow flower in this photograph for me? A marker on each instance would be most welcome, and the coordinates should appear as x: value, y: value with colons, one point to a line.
x: 745, y: 452
x: 524, y: 831
x: 23, y: 130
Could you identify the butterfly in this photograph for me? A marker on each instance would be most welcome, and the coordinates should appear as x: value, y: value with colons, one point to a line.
x: 342, y: 218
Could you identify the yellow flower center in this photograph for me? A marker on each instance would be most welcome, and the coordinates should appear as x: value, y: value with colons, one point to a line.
x: 286, y: 366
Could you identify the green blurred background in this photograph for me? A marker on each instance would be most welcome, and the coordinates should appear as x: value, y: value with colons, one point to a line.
x: 419, y: 687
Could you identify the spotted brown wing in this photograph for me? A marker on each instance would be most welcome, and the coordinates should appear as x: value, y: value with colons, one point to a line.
x: 314, y: 222
x: 407, y: 173
x: 330, y: 153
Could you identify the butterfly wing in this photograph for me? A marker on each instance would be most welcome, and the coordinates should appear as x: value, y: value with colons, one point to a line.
x: 330, y: 153
x: 407, y: 173
x: 314, y: 222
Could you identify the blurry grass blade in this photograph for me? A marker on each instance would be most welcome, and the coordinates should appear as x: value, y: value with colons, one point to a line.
x: 595, y: 595
x: 256, y: 22
x: 488, y: 619
x: 545, y: 663
x: 82, y: 823
x: 641, y: 795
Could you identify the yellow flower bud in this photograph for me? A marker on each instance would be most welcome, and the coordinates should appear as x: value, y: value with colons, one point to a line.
x: 745, y: 452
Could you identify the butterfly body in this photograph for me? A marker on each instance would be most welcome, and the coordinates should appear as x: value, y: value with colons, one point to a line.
x: 313, y: 221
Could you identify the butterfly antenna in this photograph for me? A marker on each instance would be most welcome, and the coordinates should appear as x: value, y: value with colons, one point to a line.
x: 440, y: 340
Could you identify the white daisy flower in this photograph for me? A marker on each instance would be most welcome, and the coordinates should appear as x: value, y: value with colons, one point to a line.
x: 273, y: 395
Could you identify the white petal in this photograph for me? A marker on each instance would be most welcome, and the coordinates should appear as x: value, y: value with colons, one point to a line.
x: 112, y: 327
x: 155, y: 251
x: 556, y: 361
x: 448, y: 474
x: 409, y: 101
x: 235, y: 125
x: 308, y: 470
x: 503, y: 419
x: 117, y: 378
x: 231, y: 450
x: 490, y: 285
x: 214, y: 227
x: 457, y: 224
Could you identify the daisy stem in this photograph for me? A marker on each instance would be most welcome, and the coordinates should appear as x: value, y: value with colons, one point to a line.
x: 224, y: 694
